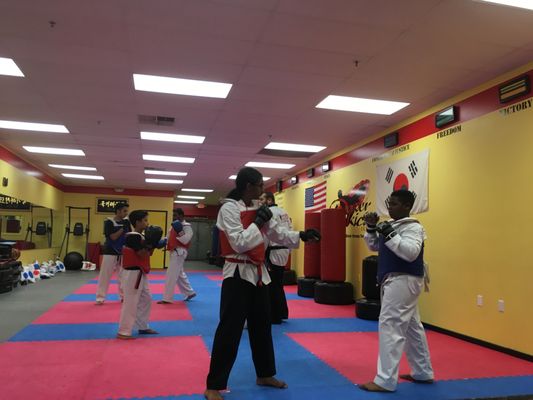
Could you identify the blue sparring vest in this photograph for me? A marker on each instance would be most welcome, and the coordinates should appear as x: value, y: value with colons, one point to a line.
x: 389, y: 262
x: 115, y: 246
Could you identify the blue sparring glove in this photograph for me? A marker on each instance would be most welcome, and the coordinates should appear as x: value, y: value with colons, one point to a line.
x: 386, y: 229
x: 162, y: 243
x: 310, y: 235
x: 177, y: 226
x: 263, y: 216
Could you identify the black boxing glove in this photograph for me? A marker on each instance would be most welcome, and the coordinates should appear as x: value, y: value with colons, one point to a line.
x: 310, y: 235
x: 386, y: 229
x: 263, y: 216
x: 371, y: 226
x: 152, y: 236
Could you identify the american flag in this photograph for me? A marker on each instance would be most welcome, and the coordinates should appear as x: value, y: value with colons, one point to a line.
x: 315, y: 198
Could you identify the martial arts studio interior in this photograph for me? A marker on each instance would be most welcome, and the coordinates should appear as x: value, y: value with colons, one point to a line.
x: 266, y: 199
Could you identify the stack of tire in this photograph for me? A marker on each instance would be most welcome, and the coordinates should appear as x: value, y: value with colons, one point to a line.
x: 9, y: 275
x: 369, y: 306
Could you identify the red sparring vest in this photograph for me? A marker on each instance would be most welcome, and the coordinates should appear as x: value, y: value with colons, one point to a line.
x: 256, y: 255
x: 173, y: 243
x: 130, y: 258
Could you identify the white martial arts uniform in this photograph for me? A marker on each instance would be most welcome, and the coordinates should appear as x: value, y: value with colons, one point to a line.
x: 137, y: 304
x: 112, y: 258
x: 175, y: 273
x: 280, y: 256
x: 399, y: 319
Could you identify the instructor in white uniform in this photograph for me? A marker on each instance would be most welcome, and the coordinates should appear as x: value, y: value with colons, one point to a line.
x: 179, y: 240
x: 401, y: 272
x: 276, y: 259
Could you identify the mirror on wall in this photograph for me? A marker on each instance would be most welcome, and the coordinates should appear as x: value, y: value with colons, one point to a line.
x: 29, y: 225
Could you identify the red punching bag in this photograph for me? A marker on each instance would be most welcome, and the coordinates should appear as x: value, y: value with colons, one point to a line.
x: 312, y: 250
x: 333, y: 245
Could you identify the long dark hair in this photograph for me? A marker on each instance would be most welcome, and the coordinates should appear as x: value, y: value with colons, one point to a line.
x: 246, y: 175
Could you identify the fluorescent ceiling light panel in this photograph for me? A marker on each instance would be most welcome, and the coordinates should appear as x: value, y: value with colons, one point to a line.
x: 294, y: 147
x: 79, y: 176
x: 72, y: 167
x: 185, y: 202
x: 197, y: 190
x: 191, y: 197
x: 172, y: 137
x: 187, y: 87
x: 167, y: 173
x: 269, y: 165
x: 54, y: 150
x: 8, y: 67
x: 527, y: 4
x: 153, y: 157
x: 33, y: 126
x: 155, y: 180
x: 357, y: 104
x: 265, y: 178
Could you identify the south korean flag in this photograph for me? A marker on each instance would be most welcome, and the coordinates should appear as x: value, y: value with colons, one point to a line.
x: 409, y: 173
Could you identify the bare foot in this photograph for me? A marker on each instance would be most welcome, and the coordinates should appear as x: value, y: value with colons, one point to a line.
x: 210, y: 394
x: 164, y: 302
x: 372, y: 387
x: 409, y: 378
x: 271, y: 381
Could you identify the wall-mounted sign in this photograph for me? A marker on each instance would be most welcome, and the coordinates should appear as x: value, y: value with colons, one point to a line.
x: 294, y: 180
x: 107, y: 206
x: 391, y: 140
x: 310, y: 172
x: 279, y: 186
x: 325, y: 166
x: 446, y: 116
x: 10, y: 203
x: 515, y: 88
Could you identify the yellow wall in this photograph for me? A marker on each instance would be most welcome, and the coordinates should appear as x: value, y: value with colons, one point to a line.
x: 29, y: 256
x: 477, y: 224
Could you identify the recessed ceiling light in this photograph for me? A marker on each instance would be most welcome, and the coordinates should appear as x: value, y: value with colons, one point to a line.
x: 72, y: 167
x: 153, y: 157
x: 172, y: 137
x: 8, y: 67
x: 191, y: 197
x: 294, y: 147
x: 265, y: 178
x: 197, y: 190
x: 155, y: 180
x: 187, y: 87
x: 185, y: 202
x: 54, y: 150
x: 269, y: 165
x: 356, y: 104
x: 168, y: 173
x: 79, y: 176
x: 33, y: 126
x: 527, y: 4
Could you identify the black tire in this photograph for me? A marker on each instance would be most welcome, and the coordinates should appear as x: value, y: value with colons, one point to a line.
x: 367, y: 309
x: 336, y: 293
x: 73, y: 261
x: 370, y: 287
x: 289, y: 277
x: 306, y: 287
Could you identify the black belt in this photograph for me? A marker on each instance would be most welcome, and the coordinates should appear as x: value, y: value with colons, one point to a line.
x: 133, y: 268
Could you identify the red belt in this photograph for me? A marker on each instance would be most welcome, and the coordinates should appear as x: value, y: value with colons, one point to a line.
x: 259, y: 269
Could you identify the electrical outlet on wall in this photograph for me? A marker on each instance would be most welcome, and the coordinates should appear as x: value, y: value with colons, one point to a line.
x: 479, y: 300
x: 501, y: 306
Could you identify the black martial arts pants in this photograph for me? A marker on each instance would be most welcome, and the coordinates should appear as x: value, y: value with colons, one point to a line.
x: 278, y: 301
x: 240, y: 301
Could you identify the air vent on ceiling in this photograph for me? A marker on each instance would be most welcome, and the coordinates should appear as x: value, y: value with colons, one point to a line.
x: 156, y: 120
x: 286, y: 153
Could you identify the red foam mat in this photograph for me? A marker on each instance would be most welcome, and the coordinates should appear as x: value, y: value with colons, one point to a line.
x: 90, y: 288
x: 217, y: 277
x: 79, y: 312
x: 103, y: 369
x: 310, y: 309
x: 354, y: 355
